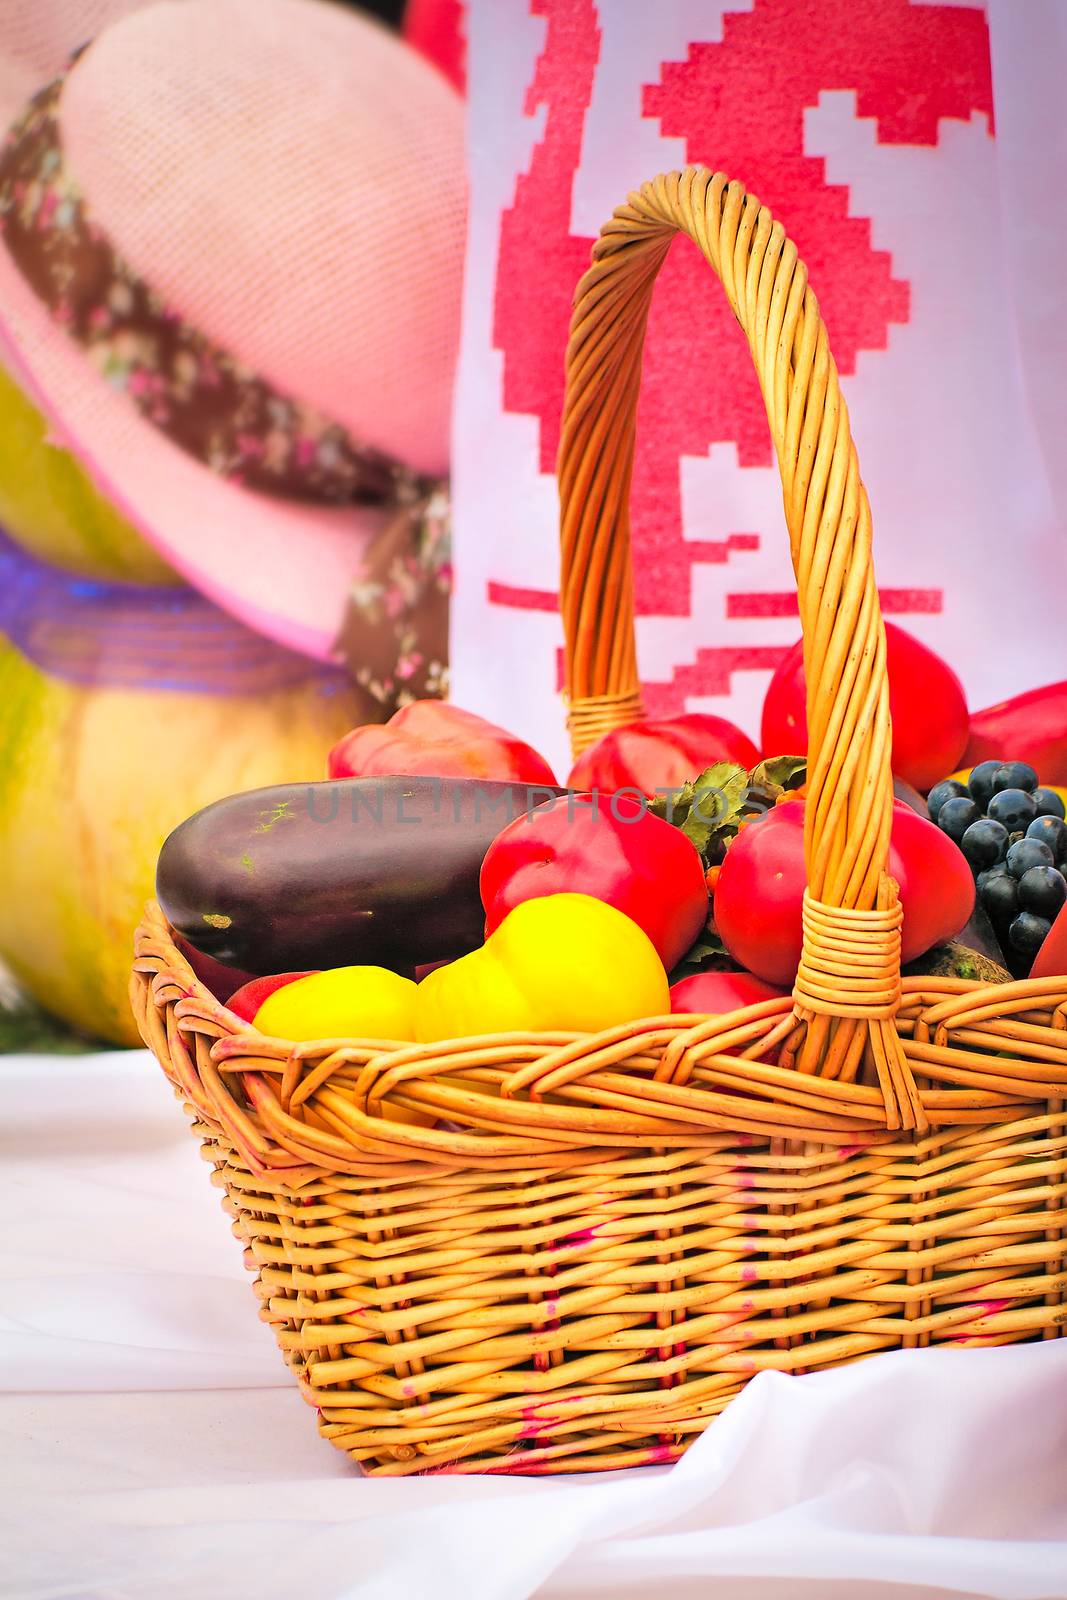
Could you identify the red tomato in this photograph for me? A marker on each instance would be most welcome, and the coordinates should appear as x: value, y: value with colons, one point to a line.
x: 936, y: 886
x: 437, y: 740
x: 661, y: 755
x: 759, y: 895
x: 248, y: 999
x: 926, y: 702
x: 607, y: 846
x: 715, y: 993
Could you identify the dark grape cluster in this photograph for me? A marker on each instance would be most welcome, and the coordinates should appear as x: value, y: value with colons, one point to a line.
x: 1014, y: 836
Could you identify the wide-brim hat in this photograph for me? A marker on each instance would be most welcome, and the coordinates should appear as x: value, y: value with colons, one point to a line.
x: 230, y: 276
x: 37, y: 41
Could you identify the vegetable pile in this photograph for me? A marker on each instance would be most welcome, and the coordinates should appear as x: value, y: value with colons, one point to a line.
x: 440, y: 884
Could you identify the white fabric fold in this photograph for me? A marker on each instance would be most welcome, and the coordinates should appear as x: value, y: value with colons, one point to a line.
x: 152, y: 1446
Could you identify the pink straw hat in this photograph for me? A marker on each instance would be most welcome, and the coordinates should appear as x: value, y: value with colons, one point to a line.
x: 230, y: 272
x: 37, y: 40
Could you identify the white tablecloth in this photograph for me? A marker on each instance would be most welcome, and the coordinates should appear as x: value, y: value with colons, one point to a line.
x: 153, y: 1447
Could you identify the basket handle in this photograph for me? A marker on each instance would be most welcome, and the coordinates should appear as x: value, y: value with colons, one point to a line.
x: 848, y: 985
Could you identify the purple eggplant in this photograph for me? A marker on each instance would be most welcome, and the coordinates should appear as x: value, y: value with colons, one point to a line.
x: 354, y: 870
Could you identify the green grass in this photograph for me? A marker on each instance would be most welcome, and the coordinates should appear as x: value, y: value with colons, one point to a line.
x: 27, y: 1030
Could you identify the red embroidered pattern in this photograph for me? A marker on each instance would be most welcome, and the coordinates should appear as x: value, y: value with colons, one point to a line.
x: 739, y: 104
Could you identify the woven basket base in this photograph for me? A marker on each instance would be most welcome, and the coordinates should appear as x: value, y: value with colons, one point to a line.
x: 580, y: 1314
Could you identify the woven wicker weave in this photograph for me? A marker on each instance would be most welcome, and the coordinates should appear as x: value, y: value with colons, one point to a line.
x: 554, y: 1253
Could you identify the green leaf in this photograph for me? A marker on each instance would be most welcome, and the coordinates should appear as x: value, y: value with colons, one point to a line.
x: 707, y: 954
x: 715, y: 808
x: 709, y: 810
x: 781, y: 772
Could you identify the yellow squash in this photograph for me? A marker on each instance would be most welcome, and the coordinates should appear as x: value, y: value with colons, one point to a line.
x: 347, y: 1003
x: 341, y: 1003
x: 563, y: 962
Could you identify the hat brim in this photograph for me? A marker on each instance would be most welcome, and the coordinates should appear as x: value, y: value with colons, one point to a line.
x: 283, y: 568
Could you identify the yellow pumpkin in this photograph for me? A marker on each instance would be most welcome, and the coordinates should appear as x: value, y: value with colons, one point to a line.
x: 92, y: 779
x: 50, y: 506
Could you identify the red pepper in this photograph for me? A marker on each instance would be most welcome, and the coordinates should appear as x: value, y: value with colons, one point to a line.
x: 760, y: 892
x: 647, y: 756
x: 1032, y: 727
x: 926, y: 703
x: 1051, y: 960
x: 609, y: 847
x: 430, y: 738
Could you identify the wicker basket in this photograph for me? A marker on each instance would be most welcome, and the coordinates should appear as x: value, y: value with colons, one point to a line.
x: 601, y: 1238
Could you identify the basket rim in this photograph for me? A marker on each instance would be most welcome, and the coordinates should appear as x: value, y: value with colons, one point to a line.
x: 684, y: 1105
x: 155, y: 920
